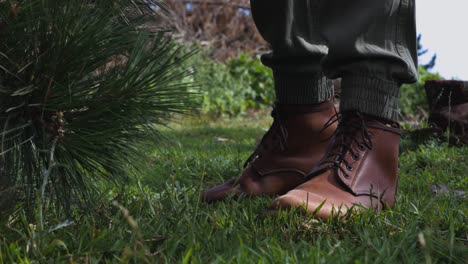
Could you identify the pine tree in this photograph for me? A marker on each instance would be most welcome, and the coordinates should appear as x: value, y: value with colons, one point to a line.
x: 421, y: 51
x: 82, y: 84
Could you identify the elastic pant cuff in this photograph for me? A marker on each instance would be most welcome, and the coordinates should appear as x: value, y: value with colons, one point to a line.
x: 302, y: 88
x: 370, y: 95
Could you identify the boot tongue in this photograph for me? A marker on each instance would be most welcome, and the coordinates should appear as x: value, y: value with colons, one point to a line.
x: 351, y: 130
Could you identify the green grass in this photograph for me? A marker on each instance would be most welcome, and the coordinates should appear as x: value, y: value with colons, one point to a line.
x: 159, y: 218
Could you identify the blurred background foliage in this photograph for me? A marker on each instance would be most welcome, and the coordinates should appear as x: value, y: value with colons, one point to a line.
x: 413, y: 100
x: 231, y: 88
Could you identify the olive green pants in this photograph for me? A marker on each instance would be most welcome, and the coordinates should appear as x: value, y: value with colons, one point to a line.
x: 370, y: 44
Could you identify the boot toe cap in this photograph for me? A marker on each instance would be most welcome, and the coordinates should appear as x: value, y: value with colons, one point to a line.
x: 309, y: 203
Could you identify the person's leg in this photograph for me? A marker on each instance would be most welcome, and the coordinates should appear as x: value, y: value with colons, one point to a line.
x: 292, y: 29
x: 372, y: 47
x: 296, y: 141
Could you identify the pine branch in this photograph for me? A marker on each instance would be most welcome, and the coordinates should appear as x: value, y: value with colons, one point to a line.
x: 215, y: 3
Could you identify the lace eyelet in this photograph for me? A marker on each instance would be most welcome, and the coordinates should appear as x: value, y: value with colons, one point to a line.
x: 350, y: 168
x: 369, y: 135
x: 346, y: 175
x: 355, y: 157
x: 361, y: 147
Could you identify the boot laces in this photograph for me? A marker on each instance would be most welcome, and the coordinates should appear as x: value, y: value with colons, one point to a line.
x: 352, y: 129
x: 278, y: 134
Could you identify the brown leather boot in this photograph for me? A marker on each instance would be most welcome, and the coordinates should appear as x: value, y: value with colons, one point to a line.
x: 360, y: 168
x: 294, y: 144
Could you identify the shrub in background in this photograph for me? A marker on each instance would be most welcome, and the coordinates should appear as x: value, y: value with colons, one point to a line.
x: 231, y: 88
x: 221, y: 93
x: 413, y: 99
x: 260, y: 89
x: 82, y: 84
